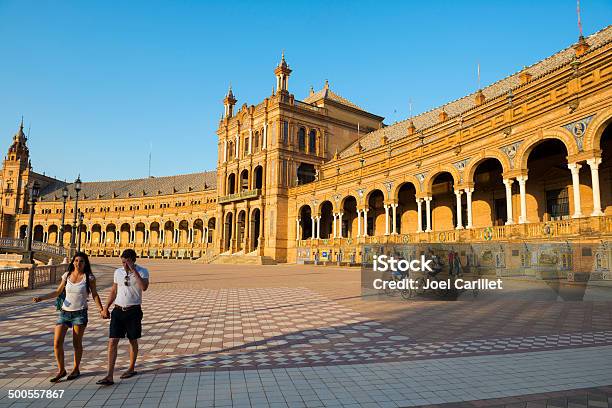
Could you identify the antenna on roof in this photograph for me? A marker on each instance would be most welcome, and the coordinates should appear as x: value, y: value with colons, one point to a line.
x: 579, y: 20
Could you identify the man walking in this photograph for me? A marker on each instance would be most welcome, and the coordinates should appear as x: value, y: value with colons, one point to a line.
x: 126, y: 318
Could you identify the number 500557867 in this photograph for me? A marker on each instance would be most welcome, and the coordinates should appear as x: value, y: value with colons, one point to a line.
x: 36, y: 394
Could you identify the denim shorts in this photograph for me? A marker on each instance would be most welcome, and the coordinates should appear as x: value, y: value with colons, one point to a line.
x: 78, y: 317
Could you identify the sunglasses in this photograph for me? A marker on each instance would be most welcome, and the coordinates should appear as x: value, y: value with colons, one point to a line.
x: 127, y: 280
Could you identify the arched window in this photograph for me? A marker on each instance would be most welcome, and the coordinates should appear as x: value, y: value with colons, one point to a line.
x: 256, y: 142
x: 305, y: 173
x: 230, y: 147
x: 312, y: 141
x: 302, y: 139
x: 231, y: 184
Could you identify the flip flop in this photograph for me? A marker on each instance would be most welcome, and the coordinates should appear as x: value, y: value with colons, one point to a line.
x: 128, y: 374
x: 105, y: 381
x: 73, y: 376
x: 58, y: 377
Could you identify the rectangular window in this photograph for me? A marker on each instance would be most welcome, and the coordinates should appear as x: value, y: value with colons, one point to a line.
x: 557, y: 204
x: 285, y: 132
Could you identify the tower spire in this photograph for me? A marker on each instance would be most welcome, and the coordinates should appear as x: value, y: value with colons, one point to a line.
x: 282, y: 73
x: 228, y: 102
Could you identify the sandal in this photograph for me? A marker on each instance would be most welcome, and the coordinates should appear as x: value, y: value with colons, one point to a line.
x: 105, y: 381
x: 73, y: 375
x: 58, y: 377
x: 128, y: 374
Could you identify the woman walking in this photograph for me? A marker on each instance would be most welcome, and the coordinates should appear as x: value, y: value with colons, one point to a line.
x: 75, y: 288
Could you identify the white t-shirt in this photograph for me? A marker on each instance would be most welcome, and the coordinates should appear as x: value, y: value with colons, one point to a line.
x: 76, y: 294
x: 131, y: 294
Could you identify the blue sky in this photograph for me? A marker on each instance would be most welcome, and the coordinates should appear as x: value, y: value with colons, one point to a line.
x: 101, y: 82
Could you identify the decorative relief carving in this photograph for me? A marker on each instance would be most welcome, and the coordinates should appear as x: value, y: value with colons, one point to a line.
x: 421, y: 178
x: 337, y: 197
x: 388, y: 186
x: 510, y: 151
x: 360, y: 192
x: 578, y: 129
x: 460, y: 165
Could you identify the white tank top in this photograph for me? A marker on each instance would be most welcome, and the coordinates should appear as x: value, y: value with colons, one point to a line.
x: 76, y: 294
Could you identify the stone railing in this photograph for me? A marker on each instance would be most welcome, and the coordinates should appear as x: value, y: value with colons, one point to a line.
x: 16, y: 279
x: 243, y: 195
x: 562, y: 229
x: 37, y: 246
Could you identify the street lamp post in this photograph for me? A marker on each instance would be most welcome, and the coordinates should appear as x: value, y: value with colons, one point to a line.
x: 77, y: 188
x: 28, y: 256
x: 64, y: 197
x: 81, y: 216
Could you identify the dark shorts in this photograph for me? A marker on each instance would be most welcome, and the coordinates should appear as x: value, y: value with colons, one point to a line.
x: 126, y: 322
x: 76, y: 318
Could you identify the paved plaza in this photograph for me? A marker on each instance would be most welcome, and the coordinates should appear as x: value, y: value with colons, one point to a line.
x: 303, y: 336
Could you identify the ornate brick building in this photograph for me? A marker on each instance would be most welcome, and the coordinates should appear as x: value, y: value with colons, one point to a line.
x: 527, y: 158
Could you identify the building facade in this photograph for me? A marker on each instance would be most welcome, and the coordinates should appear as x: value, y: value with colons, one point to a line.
x: 527, y: 158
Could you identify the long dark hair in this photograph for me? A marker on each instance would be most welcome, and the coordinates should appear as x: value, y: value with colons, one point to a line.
x: 87, y: 268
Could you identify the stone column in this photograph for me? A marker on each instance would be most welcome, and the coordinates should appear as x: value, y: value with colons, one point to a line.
x: 358, y: 223
x: 394, y: 229
x: 237, y: 147
x: 265, y: 136
x: 297, y: 229
x: 419, y: 215
x: 365, y: 222
x: 594, y: 164
x: 522, y: 181
x: 334, y: 226
x: 428, y: 214
x: 312, y: 230
x: 340, y: 224
x: 319, y: 227
x: 468, y: 193
x: 459, y: 212
x: 386, y: 219
x: 509, y: 217
x: 250, y: 140
x: 575, y: 169
x: 225, y: 151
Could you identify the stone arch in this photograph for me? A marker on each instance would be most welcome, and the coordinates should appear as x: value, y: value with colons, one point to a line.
x: 124, y: 233
x: 96, y: 234
x: 38, y: 232
x: 592, y: 138
x: 139, y: 236
x: 154, y: 229
x: 53, y: 234
x: 432, y: 174
x: 522, y: 155
x: 470, y: 169
x: 373, y: 190
x: 305, y: 214
x: 407, y: 180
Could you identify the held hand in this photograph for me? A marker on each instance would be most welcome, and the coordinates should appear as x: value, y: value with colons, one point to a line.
x: 104, y: 313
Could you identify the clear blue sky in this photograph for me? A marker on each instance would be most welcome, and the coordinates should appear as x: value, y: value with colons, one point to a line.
x: 99, y: 82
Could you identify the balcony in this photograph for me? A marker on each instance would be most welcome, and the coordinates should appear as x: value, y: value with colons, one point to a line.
x: 243, y: 195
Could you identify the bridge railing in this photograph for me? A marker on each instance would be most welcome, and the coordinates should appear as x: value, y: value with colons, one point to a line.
x: 16, y: 279
x: 37, y: 246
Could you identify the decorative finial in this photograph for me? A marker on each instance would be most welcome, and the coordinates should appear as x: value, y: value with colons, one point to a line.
x: 21, y: 125
x: 326, y: 84
x: 312, y: 90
